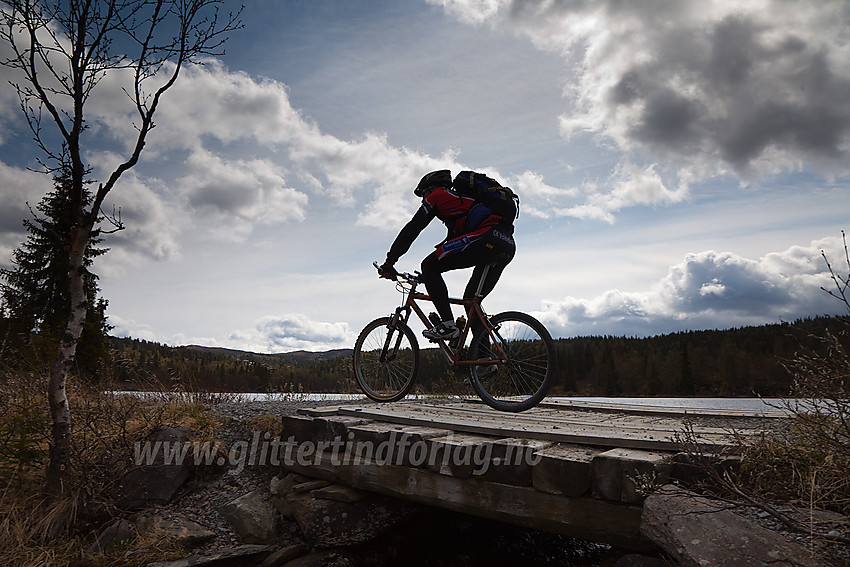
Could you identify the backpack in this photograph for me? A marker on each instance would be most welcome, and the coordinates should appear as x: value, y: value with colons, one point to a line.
x: 490, y: 198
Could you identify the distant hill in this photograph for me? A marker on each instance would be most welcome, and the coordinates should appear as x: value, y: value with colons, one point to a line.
x: 735, y: 362
x: 290, y: 357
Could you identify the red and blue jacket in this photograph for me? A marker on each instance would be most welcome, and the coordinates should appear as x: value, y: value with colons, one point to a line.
x: 453, y: 210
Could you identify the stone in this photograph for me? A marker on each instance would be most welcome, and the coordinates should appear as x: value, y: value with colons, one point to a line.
x: 322, y: 559
x: 159, y: 481
x: 698, y: 532
x: 635, y: 560
x: 117, y: 532
x: 338, y: 493
x: 329, y: 523
x: 253, y: 519
x: 284, y: 555
x: 240, y: 556
x: 178, y: 528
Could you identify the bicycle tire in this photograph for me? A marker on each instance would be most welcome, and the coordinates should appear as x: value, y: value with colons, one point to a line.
x: 526, y: 378
x: 387, y: 380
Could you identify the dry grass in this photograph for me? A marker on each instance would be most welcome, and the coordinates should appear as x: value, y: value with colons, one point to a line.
x: 37, y: 531
x: 798, y: 468
x: 808, y: 463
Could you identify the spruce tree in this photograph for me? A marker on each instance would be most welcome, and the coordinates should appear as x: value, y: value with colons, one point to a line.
x: 36, y: 294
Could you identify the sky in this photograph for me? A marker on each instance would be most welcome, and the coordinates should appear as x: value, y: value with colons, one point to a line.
x: 681, y: 165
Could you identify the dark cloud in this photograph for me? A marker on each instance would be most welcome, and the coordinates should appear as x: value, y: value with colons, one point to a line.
x: 709, y: 290
x: 707, y: 86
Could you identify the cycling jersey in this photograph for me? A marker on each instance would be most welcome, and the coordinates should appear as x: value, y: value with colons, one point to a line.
x: 452, y: 209
x: 480, y: 240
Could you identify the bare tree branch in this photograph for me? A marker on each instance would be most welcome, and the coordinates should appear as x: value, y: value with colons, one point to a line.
x: 62, y: 50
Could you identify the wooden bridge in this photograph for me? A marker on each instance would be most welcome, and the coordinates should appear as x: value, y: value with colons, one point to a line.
x: 567, y: 467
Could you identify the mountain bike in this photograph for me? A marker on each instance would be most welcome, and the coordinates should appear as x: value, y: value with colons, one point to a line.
x: 511, y: 356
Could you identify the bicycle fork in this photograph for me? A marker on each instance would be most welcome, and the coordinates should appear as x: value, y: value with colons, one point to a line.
x: 390, y: 351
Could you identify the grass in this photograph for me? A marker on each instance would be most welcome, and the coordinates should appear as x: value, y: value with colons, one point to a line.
x: 43, y: 532
x: 808, y: 463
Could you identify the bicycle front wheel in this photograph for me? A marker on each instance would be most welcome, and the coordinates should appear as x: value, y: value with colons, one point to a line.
x: 386, y: 360
x: 525, y: 379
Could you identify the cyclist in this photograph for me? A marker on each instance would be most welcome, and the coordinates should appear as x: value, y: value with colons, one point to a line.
x: 473, y: 240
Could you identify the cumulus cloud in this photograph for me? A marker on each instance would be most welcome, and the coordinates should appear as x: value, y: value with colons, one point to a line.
x: 631, y: 185
x: 239, y: 109
x: 707, y: 87
x: 239, y: 194
x: 18, y: 187
x: 292, y: 332
x: 131, y: 328
x: 709, y: 290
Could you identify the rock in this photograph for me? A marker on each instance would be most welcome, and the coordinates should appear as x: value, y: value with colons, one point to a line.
x: 329, y: 523
x: 119, y: 531
x: 634, y: 560
x: 158, y: 481
x: 698, y: 532
x: 253, y: 519
x: 178, y: 528
x: 339, y: 493
x: 283, y: 556
x: 241, y: 556
x: 322, y: 559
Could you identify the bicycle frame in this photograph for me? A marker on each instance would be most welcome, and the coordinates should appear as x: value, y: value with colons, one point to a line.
x: 473, y: 309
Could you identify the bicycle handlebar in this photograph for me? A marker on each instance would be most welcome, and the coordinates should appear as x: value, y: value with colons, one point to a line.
x: 407, y: 277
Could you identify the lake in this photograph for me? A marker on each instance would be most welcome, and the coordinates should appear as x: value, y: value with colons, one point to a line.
x: 747, y: 404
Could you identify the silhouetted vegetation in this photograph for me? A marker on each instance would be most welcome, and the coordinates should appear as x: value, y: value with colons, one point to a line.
x: 736, y: 362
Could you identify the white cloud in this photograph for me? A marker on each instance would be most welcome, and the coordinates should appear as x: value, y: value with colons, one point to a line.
x: 291, y: 332
x: 757, y: 88
x: 131, y: 328
x: 709, y: 290
x: 18, y: 187
x: 631, y: 186
x: 234, y: 108
x: 239, y: 194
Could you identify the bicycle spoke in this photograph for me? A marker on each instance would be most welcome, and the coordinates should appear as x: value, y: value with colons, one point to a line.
x: 526, y: 377
x: 385, y: 360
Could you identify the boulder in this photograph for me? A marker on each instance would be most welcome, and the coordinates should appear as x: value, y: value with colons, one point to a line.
x: 322, y: 559
x: 284, y: 555
x: 253, y: 519
x: 241, y: 556
x: 157, y: 481
x: 698, y: 532
x: 118, y: 532
x: 333, y: 523
x: 177, y: 528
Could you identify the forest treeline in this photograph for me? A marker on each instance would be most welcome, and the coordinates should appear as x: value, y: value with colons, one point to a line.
x: 737, y: 362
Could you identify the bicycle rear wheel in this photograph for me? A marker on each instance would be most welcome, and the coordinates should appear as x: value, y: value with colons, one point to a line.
x: 526, y: 378
x: 386, y: 360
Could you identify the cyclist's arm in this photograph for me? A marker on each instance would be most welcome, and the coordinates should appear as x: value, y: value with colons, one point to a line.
x: 409, y: 233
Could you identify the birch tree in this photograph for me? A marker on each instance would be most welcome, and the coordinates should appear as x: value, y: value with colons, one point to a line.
x: 60, y: 51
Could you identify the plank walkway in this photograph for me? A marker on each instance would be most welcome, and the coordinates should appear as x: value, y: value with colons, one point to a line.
x: 571, y: 468
x: 604, y: 425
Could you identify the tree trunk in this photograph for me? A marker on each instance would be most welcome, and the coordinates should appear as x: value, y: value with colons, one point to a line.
x: 60, y: 446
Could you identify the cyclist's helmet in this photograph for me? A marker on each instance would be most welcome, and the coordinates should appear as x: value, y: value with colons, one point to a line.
x: 441, y: 178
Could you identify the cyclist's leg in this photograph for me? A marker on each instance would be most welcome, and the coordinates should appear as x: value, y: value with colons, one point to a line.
x: 497, y: 250
x: 432, y: 276
x: 454, y: 254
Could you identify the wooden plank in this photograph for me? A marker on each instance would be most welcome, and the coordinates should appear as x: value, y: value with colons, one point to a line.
x: 558, y: 428
x: 585, y: 518
x: 564, y: 469
x: 768, y: 413
x: 615, y: 473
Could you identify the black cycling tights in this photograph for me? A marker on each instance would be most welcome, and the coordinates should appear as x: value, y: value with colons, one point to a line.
x: 479, y: 255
